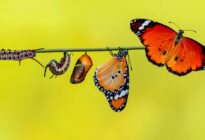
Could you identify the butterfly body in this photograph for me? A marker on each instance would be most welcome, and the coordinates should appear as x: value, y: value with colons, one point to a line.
x: 112, y: 78
x: 164, y: 46
x: 178, y: 37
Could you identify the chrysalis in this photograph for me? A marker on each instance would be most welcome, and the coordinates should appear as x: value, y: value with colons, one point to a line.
x: 81, y: 68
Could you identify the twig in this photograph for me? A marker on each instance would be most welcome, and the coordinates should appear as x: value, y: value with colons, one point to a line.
x: 88, y: 49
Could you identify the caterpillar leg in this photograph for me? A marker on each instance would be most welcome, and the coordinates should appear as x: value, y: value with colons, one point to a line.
x: 19, y: 62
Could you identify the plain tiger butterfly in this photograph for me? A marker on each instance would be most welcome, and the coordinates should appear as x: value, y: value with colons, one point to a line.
x: 112, y: 78
x: 58, y: 68
x: 164, y: 46
x: 81, y: 68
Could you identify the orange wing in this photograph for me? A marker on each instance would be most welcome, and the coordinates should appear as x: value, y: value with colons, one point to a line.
x: 189, y: 56
x: 110, y: 74
x: 112, y: 78
x: 157, y: 38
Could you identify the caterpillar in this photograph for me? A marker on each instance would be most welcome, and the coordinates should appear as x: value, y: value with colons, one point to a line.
x: 18, y: 55
x: 58, y: 68
x: 81, y: 68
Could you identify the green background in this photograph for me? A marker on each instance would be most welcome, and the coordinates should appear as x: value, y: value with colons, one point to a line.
x: 161, y: 106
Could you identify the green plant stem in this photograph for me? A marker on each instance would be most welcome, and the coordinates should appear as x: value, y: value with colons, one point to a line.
x: 89, y: 49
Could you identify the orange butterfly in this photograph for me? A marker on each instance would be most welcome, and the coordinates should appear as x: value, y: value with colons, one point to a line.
x: 164, y: 46
x: 112, y: 78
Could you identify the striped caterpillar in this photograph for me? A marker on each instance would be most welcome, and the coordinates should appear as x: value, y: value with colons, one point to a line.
x: 58, y: 68
x: 18, y: 55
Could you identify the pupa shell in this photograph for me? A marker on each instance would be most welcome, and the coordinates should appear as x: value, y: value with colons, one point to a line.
x: 81, y: 68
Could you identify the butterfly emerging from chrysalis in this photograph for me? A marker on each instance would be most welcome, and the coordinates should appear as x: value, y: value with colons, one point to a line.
x: 59, y: 68
x: 164, y: 46
x: 112, y: 78
x: 81, y: 68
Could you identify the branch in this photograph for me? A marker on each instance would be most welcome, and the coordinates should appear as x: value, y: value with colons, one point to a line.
x: 89, y: 49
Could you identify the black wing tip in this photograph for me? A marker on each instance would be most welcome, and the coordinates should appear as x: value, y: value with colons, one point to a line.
x: 139, y: 19
x: 137, y: 27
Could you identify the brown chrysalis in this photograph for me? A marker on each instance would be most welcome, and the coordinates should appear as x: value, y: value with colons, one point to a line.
x: 81, y: 68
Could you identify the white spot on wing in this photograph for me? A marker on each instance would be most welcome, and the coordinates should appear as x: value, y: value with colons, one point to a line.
x: 116, y: 97
x: 144, y: 24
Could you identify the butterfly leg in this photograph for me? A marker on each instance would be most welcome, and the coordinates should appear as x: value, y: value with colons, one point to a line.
x: 111, y: 53
x: 120, y: 49
x: 129, y: 61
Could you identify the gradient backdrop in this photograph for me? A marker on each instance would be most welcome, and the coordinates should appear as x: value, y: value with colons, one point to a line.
x: 161, y: 106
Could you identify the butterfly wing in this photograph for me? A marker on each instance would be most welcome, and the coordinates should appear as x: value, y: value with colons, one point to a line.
x: 157, y: 38
x: 112, y: 78
x: 189, y: 56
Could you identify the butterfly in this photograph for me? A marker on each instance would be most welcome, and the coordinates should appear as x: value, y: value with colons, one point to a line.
x: 112, y: 78
x: 164, y: 46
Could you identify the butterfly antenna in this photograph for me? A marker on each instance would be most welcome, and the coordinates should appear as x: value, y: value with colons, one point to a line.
x: 191, y: 30
x: 175, y: 24
x: 111, y: 53
x: 129, y: 61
